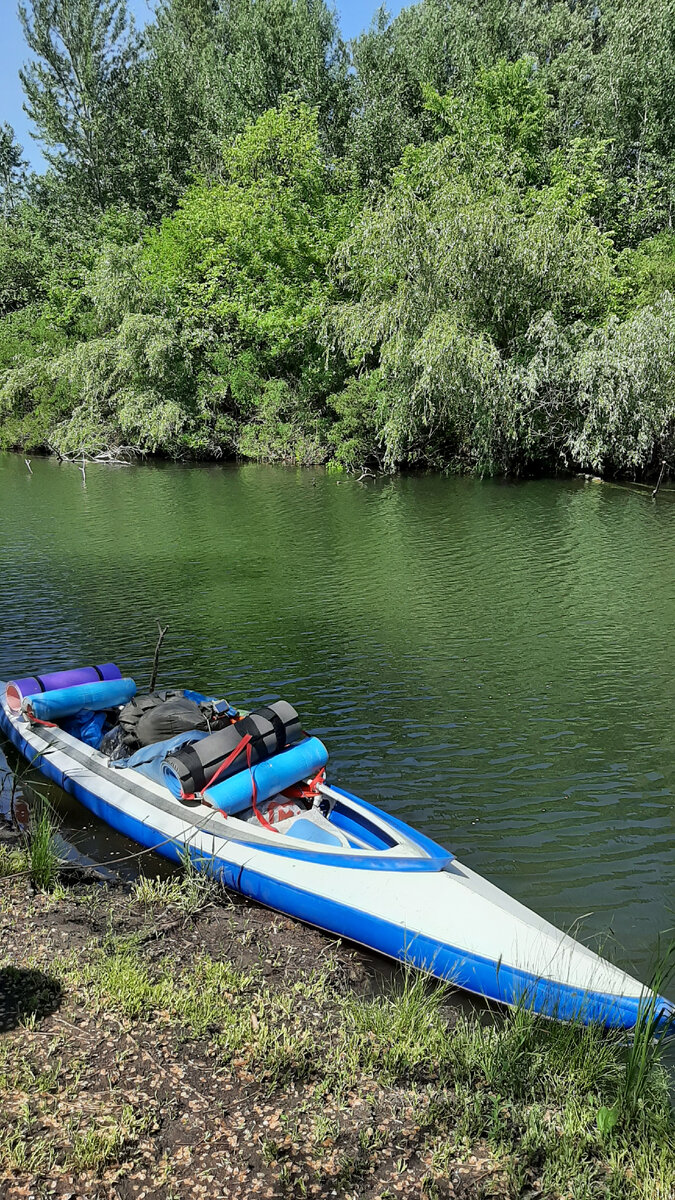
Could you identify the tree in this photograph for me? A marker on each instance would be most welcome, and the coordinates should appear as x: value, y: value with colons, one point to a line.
x: 210, y: 66
x: 484, y: 235
x: 244, y: 265
x: 80, y: 46
x: 12, y: 170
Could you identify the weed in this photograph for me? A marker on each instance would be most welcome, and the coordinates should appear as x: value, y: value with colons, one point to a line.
x: 94, y: 1148
x: 22, y: 1148
x: 528, y: 1089
x: 13, y: 861
x: 649, y: 1034
x: 162, y: 892
x: 189, y: 892
x: 44, y: 860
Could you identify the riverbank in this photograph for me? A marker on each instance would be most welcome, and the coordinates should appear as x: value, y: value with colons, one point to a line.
x: 168, y: 1040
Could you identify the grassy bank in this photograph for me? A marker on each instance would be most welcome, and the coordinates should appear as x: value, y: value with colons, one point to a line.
x: 167, y: 1041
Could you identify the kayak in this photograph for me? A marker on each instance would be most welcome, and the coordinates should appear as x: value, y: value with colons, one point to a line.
x: 339, y: 863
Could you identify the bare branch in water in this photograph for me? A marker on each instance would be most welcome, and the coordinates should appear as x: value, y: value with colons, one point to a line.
x: 155, y: 661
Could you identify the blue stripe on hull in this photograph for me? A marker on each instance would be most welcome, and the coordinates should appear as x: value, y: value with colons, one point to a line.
x: 484, y: 977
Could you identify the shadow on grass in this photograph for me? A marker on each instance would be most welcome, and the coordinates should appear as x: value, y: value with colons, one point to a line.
x: 26, y: 995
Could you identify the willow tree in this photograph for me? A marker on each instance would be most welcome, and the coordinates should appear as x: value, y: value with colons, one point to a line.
x: 485, y: 234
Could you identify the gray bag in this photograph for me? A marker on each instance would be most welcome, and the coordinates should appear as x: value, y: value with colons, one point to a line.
x: 158, y: 716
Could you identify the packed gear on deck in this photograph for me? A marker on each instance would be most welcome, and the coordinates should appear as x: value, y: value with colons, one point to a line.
x: 161, y: 715
x: 266, y: 731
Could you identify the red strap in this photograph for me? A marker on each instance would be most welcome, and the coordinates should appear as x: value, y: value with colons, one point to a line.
x: 223, y: 767
x: 230, y: 759
x: 318, y: 778
x: 36, y: 720
x: 306, y: 791
x: 254, y: 796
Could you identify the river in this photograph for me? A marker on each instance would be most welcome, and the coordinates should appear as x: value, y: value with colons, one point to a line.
x: 493, y: 662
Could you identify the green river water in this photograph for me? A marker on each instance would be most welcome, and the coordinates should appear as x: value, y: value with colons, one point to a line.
x: 493, y: 662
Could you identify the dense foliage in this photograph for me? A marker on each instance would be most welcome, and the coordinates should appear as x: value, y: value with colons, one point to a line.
x: 447, y: 244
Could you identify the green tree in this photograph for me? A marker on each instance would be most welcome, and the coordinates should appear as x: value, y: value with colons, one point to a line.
x: 245, y: 262
x: 483, y: 235
x: 209, y: 67
x: 80, y: 46
x: 12, y: 170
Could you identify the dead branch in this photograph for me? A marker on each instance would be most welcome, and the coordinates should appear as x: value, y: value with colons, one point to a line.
x: 664, y: 466
x: 155, y: 661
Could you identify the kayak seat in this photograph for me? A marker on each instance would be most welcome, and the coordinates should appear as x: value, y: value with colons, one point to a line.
x: 310, y: 831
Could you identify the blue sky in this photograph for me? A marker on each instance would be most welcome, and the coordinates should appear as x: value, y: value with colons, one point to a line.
x: 354, y: 16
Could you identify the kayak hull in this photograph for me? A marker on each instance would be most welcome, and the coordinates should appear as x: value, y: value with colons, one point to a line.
x: 425, y: 909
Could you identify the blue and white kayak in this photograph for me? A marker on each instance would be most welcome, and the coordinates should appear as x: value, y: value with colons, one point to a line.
x: 357, y: 872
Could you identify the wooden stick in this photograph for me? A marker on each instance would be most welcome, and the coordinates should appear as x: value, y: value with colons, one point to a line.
x: 155, y: 661
x: 660, y: 478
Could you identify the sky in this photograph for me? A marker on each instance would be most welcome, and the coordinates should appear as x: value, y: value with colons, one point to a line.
x: 355, y: 15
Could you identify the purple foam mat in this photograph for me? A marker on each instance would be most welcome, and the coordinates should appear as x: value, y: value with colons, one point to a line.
x: 18, y: 688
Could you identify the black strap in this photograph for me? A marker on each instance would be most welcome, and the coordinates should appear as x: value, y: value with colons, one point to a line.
x: 189, y: 759
x: 277, y: 725
x: 248, y: 725
x: 99, y: 673
x: 39, y: 681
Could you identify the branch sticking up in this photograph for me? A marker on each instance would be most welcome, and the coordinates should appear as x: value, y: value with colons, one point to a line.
x: 659, y: 481
x: 155, y: 661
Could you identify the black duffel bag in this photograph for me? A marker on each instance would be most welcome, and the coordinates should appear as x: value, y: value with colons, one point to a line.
x: 160, y: 715
x: 271, y: 728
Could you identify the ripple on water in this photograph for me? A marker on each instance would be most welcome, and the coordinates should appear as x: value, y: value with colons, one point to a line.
x: 494, y: 663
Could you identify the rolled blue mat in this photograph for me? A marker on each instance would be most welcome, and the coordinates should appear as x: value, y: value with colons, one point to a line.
x: 65, y: 702
x: 271, y: 776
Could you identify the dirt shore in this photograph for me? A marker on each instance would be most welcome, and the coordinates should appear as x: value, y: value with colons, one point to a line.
x: 102, y: 1101
x: 165, y: 1039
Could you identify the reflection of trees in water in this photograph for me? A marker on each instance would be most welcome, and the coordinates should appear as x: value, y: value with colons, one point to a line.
x: 26, y: 993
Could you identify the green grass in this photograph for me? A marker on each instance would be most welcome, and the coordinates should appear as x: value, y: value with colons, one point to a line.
x: 648, y: 1039
x: 200, y: 996
x: 189, y: 892
x: 530, y: 1089
x: 44, y: 859
x: 96, y: 1147
x: 562, y: 1110
x: 39, y: 1138
x: 14, y: 861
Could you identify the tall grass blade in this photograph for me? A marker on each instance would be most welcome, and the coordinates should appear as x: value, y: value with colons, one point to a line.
x: 44, y: 859
x: 650, y: 1032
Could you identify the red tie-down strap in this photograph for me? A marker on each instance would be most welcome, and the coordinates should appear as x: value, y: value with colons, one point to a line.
x: 244, y: 742
x: 36, y: 720
x: 306, y: 791
x: 254, y: 795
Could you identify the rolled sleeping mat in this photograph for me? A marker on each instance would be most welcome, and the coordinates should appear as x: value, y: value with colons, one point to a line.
x: 65, y: 702
x: 18, y: 689
x: 272, y: 728
x: 271, y: 776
